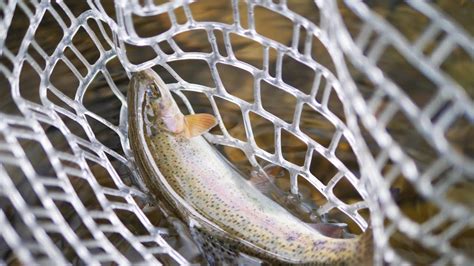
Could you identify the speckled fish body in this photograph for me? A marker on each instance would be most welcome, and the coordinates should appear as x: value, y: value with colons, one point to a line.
x: 207, y: 192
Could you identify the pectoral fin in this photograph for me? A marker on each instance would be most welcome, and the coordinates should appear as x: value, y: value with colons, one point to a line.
x: 198, y: 124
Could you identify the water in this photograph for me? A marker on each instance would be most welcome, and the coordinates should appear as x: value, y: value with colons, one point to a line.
x: 100, y: 99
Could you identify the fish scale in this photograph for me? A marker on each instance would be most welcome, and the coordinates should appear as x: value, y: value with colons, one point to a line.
x: 247, y: 219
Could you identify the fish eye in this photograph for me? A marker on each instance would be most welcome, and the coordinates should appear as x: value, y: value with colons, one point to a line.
x: 153, y: 91
x: 149, y: 93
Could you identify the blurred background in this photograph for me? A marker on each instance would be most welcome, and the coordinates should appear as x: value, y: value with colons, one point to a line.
x: 70, y: 191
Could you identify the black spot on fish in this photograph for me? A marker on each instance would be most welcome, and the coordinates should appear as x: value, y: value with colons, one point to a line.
x: 318, y: 244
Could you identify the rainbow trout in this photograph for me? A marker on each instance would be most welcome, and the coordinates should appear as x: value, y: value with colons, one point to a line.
x: 179, y: 165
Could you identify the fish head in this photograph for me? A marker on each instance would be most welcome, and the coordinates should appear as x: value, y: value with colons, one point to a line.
x: 166, y: 112
x: 155, y: 88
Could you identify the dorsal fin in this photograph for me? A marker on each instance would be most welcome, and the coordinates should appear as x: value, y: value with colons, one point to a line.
x: 198, y: 124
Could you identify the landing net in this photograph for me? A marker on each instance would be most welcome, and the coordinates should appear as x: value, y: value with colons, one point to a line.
x: 391, y: 83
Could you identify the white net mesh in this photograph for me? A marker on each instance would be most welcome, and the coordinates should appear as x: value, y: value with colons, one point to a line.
x: 363, y: 101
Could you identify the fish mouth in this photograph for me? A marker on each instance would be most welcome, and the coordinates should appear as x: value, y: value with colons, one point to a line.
x: 146, y: 74
x: 146, y: 78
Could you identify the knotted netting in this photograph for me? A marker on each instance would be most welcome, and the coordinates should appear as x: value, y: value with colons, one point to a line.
x: 361, y: 104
